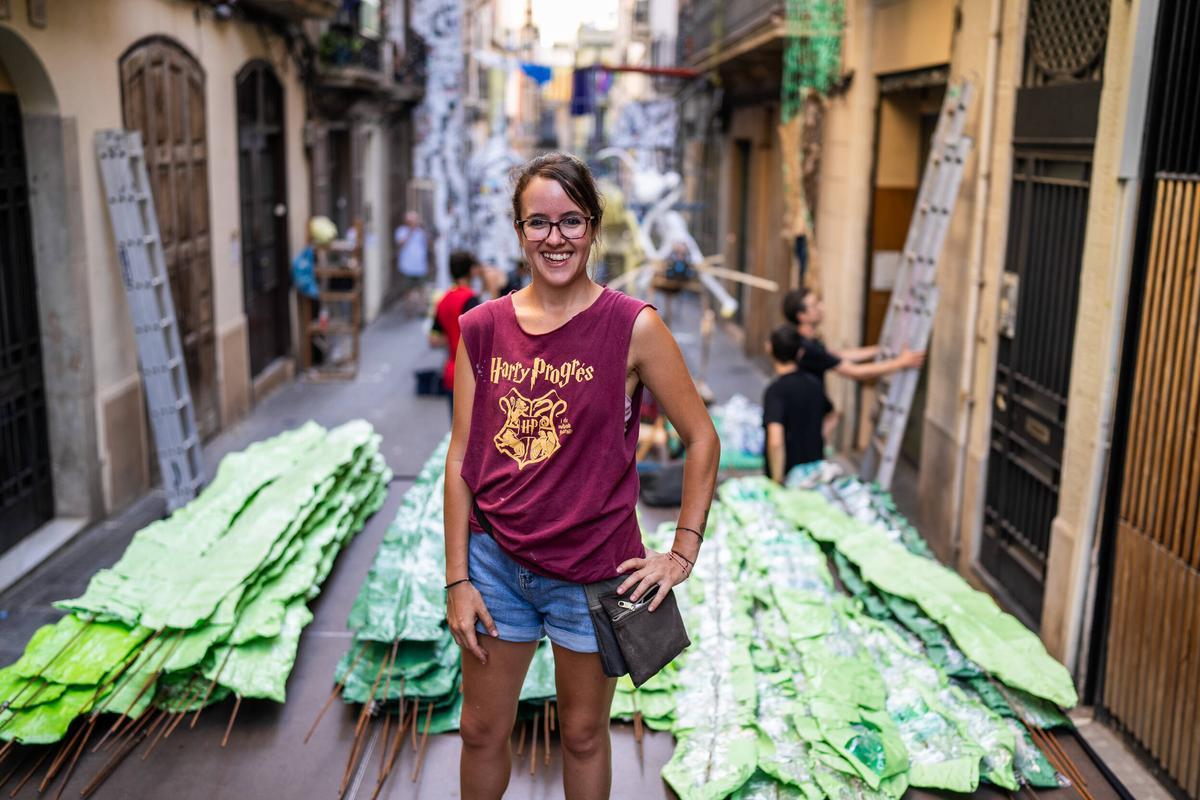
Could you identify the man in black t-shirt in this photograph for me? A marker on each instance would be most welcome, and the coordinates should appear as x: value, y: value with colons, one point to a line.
x: 793, y: 407
x: 805, y: 310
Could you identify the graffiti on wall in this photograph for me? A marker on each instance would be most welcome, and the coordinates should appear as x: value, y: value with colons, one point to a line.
x: 440, y: 155
x: 493, y: 240
x: 646, y: 128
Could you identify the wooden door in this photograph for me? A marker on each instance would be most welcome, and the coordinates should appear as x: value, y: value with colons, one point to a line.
x: 26, y: 497
x: 163, y: 98
x: 1150, y: 683
x: 262, y: 177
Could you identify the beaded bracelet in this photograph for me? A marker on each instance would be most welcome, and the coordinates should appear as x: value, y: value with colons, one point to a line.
x: 675, y: 558
x: 690, y: 563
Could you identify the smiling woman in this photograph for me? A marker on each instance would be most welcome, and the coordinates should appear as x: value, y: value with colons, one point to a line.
x: 542, y: 457
x: 557, y: 212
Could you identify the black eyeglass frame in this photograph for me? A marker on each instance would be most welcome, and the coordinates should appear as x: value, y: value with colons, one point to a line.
x: 520, y: 223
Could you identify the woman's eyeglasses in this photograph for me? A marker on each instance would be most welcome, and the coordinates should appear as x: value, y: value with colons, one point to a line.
x: 572, y: 226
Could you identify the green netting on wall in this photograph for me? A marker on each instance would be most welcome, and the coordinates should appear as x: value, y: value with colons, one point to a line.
x: 812, y: 58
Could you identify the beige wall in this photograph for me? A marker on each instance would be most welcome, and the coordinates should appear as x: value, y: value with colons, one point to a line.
x: 1101, y: 317
x: 841, y: 226
x: 910, y: 34
x: 80, y: 52
x: 951, y: 340
x: 899, y: 142
x: 376, y: 210
x: 767, y: 254
x: 982, y: 379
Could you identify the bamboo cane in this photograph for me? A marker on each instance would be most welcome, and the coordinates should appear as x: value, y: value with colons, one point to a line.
x: 212, y: 685
x: 424, y: 743
x: 237, y: 703
x: 29, y: 774
x: 334, y: 693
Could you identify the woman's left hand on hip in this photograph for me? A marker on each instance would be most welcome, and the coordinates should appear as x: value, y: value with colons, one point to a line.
x: 655, y: 568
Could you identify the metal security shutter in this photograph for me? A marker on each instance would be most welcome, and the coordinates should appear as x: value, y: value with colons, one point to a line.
x: 26, y: 495
x: 1053, y: 133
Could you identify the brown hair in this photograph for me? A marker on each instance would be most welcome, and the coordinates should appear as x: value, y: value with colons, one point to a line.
x: 571, y: 174
x: 795, y: 303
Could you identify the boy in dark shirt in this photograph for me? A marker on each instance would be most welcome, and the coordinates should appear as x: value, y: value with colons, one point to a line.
x: 805, y: 310
x: 793, y: 407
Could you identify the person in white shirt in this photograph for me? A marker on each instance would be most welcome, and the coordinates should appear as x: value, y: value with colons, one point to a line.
x: 412, y: 258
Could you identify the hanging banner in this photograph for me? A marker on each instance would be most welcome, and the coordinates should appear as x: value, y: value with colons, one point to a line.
x: 583, y: 92
x: 540, y: 73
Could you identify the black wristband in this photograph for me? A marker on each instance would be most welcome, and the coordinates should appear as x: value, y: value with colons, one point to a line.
x: 456, y: 583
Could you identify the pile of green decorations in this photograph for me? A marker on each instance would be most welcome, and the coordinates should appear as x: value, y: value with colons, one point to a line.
x: 402, y: 646
x: 403, y: 660
x: 740, y: 429
x: 792, y: 689
x: 210, y: 601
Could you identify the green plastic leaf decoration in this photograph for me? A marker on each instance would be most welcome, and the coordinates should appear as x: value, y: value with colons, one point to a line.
x: 710, y: 764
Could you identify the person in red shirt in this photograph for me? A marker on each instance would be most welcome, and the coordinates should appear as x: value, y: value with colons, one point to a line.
x: 458, y: 300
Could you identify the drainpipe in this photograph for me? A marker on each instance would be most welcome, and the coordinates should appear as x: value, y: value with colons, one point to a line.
x: 1083, y: 590
x: 975, y: 261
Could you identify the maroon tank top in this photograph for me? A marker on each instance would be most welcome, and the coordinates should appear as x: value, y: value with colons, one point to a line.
x: 550, y: 459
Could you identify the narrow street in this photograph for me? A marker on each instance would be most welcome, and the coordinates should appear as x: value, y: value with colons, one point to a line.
x: 932, y: 264
x: 266, y: 755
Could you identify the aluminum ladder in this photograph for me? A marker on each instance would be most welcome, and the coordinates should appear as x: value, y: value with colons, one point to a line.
x: 143, y: 271
x: 915, y: 296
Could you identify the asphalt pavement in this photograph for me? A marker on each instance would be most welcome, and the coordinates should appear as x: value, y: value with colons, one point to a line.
x: 266, y: 756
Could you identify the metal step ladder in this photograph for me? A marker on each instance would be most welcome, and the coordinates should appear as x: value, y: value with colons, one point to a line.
x: 144, y: 273
x: 915, y: 296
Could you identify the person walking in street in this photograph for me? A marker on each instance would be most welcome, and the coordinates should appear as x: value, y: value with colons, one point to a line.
x: 793, y: 407
x: 458, y: 300
x: 548, y: 383
x: 412, y: 259
x: 805, y: 309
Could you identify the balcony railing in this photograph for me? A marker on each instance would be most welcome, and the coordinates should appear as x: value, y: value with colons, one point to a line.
x: 708, y: 26
x: 409, y: 70
x: 350, y: 61
x: 296, y: 9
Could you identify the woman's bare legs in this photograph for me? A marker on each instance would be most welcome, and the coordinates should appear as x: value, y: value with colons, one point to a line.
x: 584, y: 699
x: 490, y: 695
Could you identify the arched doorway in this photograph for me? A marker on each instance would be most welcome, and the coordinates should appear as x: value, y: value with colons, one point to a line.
x: 162, y: 96
x: 26, y: 490
x: 48, y: 417
x: 262, y: 178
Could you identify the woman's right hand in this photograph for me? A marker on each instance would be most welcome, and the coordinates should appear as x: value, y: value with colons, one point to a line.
x: 464, y: 604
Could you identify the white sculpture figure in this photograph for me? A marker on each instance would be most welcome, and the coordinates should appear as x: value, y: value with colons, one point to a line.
x: 663, y: 226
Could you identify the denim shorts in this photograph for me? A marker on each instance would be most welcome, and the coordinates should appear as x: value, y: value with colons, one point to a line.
x: 526, y: 606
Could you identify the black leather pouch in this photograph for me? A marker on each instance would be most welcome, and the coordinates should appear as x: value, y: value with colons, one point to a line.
x: 639, y: 642
x: 610, y: 652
